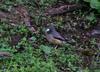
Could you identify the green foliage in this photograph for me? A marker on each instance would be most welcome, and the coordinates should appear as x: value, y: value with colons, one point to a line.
x: 72, y: 1
x: 97, y: 70
x: 94, y: 4
x: 47, y: 2
x: 91, y: 17
x: 86, y: 70
x: 32, y: 59
x: 45, y: 49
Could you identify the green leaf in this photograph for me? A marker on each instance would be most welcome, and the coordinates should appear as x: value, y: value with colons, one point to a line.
x: 91, y: 17
x: 45, y: 49
x: 33, y: 38
x: 86, y: 70
x: 95, y: 4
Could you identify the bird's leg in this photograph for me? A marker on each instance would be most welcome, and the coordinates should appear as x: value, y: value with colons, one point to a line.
x: 56, y: 47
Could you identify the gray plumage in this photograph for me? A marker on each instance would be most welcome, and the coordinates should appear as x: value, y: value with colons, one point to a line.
x: 51, y: 30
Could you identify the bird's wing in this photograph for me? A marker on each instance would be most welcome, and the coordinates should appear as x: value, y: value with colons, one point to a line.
x: 57, y: 35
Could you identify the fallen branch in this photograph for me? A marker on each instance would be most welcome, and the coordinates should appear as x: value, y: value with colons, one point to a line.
x: 5, y: 54
x: 62, y: 9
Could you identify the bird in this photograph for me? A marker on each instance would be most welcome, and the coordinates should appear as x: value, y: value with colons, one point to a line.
x: 53, y: 36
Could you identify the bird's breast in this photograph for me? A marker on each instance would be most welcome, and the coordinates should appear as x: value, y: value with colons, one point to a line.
x: 53, y: 40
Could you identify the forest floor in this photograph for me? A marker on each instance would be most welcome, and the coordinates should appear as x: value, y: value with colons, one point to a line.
x: 23, y: 44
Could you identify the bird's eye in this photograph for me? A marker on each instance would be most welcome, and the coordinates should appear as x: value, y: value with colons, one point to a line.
x: 48, y: 30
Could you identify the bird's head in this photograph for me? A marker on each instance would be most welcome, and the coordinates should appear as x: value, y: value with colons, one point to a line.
x: 50, y: 29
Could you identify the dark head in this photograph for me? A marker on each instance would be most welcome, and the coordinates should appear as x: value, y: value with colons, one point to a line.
x: 50, y: 29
